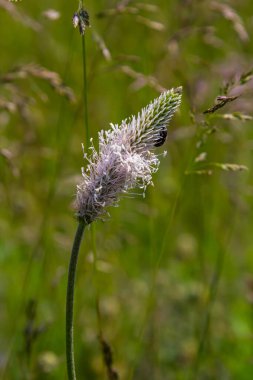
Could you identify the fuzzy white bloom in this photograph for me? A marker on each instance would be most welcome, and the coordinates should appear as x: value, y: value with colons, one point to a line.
x: 125, y: 158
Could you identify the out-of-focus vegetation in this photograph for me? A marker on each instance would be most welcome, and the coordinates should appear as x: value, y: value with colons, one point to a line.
x: 172, y: 273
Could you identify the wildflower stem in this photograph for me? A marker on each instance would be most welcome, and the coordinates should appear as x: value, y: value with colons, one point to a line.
x: 70, y: 302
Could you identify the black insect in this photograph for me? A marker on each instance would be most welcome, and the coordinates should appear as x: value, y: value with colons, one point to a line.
x: 162, y: 137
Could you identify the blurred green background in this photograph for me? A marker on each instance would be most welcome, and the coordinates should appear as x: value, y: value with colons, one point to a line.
x: 167, y: 281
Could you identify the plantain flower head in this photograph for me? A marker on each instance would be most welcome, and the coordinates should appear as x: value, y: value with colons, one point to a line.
x: 126, y: 157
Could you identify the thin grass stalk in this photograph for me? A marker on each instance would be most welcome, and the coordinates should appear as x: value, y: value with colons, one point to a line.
x: 85, y: 90
x: 70, y: 357
x: 85, y: 94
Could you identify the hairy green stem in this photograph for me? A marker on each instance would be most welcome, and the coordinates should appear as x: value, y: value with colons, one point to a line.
x: 70, y: 302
